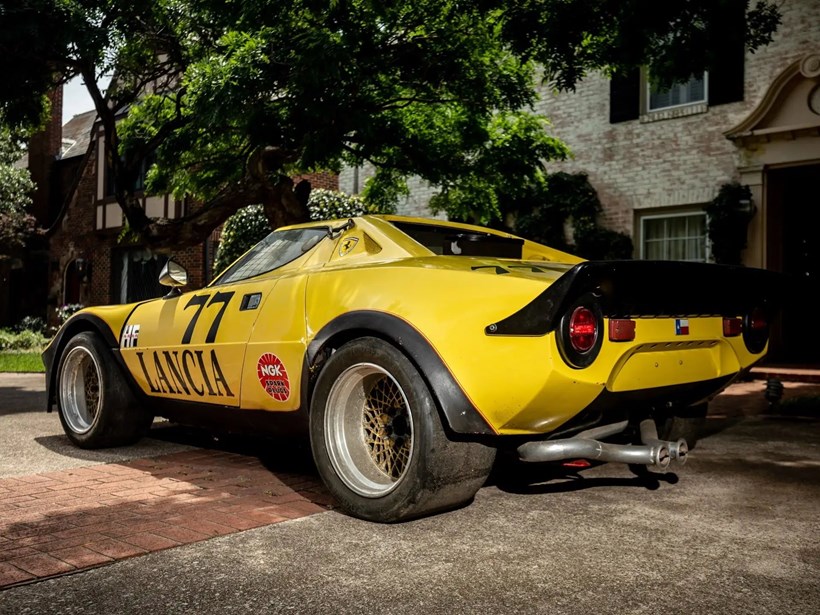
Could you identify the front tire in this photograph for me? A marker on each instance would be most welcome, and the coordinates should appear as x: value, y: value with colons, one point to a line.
x: 378, y: 441
x: 96, y: 406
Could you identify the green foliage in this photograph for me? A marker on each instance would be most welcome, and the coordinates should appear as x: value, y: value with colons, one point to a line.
x: 333, y: 205
x: 567, y: 198
x: 249, y: 225
x: 728, y: 217
x: 66, y: 311
x: 244, y: 92
x: 16, y: 187
x: 22, y: 340
x: 36, y: 324
x: 505, y: 166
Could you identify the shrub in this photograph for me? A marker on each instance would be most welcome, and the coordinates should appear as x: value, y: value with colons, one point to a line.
x: 543, y: 214
x: 64, y: 312
x: 242, y: 230
x: 22, y: 340
x: 728, y: 215
x: 331, y: 205
x: 32, y: 323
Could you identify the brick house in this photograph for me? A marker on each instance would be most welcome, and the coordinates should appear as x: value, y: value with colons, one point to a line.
x: 657, y: 158
x: 82, y: 259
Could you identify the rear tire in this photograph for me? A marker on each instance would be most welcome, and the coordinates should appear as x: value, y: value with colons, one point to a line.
x: 378, y: 441
x: 96, y: 406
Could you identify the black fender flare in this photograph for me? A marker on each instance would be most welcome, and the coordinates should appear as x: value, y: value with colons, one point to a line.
x: 459, y: 413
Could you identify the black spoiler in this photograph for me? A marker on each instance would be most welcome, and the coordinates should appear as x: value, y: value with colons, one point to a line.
x: 650, y: 289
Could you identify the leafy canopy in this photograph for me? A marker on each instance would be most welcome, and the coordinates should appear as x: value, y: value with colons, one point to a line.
x: 228, y: 99
x: 16, y: 187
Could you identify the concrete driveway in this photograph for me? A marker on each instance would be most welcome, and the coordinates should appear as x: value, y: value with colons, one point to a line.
x: 736, y: 530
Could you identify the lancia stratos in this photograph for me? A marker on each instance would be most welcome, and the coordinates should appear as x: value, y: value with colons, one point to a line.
x: 411, y: 351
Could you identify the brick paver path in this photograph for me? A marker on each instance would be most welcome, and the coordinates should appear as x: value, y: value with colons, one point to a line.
x: 60, y: 522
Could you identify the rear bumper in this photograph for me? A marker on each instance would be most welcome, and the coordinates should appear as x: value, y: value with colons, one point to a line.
x: 614, y: 406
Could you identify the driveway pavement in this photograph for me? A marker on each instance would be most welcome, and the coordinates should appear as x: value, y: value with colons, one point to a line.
x: 736, y: 530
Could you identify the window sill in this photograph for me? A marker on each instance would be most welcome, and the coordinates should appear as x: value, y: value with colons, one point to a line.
x: 674, y: 112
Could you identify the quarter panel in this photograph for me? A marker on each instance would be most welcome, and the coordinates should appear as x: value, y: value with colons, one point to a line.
x: 271, y: 379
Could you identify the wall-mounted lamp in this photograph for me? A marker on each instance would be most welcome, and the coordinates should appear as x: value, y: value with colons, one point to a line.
x: 746, y: 205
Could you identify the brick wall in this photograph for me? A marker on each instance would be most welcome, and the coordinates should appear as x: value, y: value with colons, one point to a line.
x: 327, y: 181
x: 43, y: 149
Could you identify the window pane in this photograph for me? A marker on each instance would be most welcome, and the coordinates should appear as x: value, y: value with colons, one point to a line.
x: 675, y: 238
x: 689, y: 92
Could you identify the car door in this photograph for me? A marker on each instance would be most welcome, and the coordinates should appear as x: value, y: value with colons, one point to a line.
x: 192, y: 347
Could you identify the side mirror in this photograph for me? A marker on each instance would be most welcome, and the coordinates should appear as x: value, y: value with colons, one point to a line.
x: 174, y: 275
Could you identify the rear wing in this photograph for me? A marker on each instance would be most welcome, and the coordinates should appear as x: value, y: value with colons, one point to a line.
x: 650, y: 289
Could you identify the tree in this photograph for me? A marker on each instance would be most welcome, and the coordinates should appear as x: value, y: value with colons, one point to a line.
x: 16, y: 225
x: 227, y: 100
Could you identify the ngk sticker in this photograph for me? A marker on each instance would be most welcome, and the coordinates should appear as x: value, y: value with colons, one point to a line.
x: 273, y: 376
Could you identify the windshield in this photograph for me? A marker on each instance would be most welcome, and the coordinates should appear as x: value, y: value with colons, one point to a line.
x: 277, y: 249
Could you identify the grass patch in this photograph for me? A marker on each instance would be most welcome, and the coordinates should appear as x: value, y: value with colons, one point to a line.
x: 21, y: 362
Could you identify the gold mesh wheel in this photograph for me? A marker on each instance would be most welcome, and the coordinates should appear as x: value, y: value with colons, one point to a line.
x: 369, y: 430
x: 80, y: 389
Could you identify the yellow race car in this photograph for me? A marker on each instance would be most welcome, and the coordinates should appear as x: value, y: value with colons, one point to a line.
x: 412, y: 350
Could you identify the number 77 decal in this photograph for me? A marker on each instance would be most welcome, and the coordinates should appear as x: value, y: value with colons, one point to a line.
x: 201, y: 301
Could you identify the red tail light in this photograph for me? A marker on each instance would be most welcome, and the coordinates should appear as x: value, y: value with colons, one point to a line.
x: 756, y: 330
x: 580, y: 332
x: 758, y: 321
x: 583, y: 329
x: 732, y: 327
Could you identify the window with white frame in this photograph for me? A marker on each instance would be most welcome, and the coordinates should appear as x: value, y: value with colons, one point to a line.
x: 680, y: 237
x: 689, y: 92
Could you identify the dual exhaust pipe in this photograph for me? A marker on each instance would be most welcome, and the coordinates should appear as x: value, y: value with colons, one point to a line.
x: 653, y: 452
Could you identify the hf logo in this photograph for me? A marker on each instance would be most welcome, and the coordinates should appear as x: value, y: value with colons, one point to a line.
x: 130, y: 335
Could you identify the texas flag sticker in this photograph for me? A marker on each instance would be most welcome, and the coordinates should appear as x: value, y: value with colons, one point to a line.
x: 681, y: 326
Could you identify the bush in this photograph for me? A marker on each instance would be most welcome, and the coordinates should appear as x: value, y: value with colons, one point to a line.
x: 64, y: 312
x: 543, y: 214
x: 331, y: 205
x: 249, y: 225
x: 22, y: 340
x: 32, y: 323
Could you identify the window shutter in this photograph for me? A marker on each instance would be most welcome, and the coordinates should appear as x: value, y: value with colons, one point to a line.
x: 625, y: 97
x: 726, y: 69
